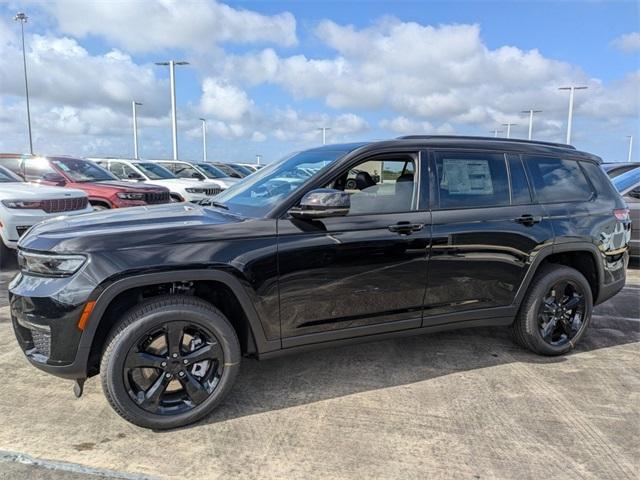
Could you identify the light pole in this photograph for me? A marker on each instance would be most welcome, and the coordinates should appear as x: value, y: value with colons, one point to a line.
x: 495, y: 132
x: 204, y: 140
x: 324, y: 134
x: 571, y: 89
x: 174, y: 122
x: 531, y: 112
x: 22, y: 18
x: 258, y: 158
x: 509, y: 125
x: 134, y: 106
x: 630, y: 137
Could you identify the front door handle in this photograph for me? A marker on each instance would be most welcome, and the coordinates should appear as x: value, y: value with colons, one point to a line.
x: 529, y: 220
x: 405, y: 228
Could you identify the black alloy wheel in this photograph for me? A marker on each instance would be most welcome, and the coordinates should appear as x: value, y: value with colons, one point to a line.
x: 555, y: 312
x: 170, y: 361
x: 561, y: 313
x: 174, y: 368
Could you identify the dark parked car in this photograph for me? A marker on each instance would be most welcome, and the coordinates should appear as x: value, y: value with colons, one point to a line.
x: 628, y: 185
x: 164, y: 301
x: 104, y: 190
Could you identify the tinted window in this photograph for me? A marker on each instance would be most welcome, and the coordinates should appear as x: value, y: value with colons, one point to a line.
x: 472, y: 180
x: 37, y: 168
x: 519, y: 186
x: 599, y: 179
x: 82, y: 170
x: 379, y: 186
x: 558, y: 180
x: 7, y: 176
x: 155, y: 171
x: 121, y: 170
x: 12, y: 164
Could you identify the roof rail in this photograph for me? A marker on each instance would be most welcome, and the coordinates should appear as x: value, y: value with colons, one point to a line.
x: 495, y: 139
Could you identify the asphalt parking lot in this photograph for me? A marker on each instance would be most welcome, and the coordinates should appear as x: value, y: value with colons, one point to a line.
x: 467, y: 404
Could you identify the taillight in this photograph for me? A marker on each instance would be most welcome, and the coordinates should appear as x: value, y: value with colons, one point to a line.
x: 621, y: 213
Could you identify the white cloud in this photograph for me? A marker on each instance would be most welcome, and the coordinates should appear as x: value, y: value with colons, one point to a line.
x: 152, y: 25
x: 223, y: 100
x: 629, y: 42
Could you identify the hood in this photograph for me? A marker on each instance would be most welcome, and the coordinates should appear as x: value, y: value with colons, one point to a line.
x: 128, y: 228
x: 226, y: 182
x: 123, y: 186
x: 35, y: 191
x: 183, y: 183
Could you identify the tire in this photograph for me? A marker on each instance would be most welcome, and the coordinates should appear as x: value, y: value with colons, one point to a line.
x: 528, y: 327
x: 98, y: 207
x: 160, y: 314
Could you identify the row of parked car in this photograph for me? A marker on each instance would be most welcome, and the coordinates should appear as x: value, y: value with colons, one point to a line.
x: 36, y: 188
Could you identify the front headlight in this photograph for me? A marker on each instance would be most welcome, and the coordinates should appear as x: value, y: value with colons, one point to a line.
x: 51, y: 265
x: 194, y: 190
x: 25, y: 204
x: 130, y: 196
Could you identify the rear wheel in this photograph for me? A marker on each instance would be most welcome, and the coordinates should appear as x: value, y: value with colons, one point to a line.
x: 556, y: 311
x: 170, y: 362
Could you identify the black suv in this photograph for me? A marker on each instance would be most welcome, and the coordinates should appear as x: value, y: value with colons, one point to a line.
x: 434, y: 233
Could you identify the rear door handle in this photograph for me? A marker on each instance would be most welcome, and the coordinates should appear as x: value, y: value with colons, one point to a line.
x: 529, y: 220
x: 405, y: 228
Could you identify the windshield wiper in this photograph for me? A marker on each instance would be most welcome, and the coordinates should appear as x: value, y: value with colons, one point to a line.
x: 211, y: 203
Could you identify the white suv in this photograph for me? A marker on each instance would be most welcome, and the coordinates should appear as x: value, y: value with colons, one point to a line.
x: 193, y: 189
x: 184, y: 169
x: 23, y: 204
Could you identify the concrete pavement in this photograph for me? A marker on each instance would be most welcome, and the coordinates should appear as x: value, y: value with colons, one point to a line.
x: 465, y: 404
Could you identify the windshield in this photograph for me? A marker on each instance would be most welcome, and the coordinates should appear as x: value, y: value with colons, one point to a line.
x: 210, y: 171
x: 242, y: 169
x: 82, y: 170
x: 7, y: 177
x: 256, y: 195
x: 184, y: 170
x: 155, y: 171
x: 228, y: 171
x: 627, y: 181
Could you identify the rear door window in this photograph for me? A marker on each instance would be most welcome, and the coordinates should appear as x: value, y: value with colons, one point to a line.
x: 520, y: 193
x: 558, y: 180
x: 473, y: 179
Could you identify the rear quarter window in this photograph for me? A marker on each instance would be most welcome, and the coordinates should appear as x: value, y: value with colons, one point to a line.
x: 599, y: 179
x: 558, y: 180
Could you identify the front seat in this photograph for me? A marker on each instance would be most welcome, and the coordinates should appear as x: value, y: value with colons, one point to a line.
x: 404, y: 192
x: 364, y: 180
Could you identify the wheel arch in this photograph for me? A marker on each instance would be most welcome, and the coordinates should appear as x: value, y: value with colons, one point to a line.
x: 123, y: 293
x: 582, y: 256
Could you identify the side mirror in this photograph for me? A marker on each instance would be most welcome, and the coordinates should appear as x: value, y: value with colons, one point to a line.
x: 322, y: 203
x: 54, y: 178
x: 135, y: 176
x: 197, y: 175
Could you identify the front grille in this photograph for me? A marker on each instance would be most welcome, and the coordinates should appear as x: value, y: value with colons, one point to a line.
x: 22, y: 230
x: 157, y: 197
x: 210, y: 192
x: 64, y: 204
x: 41, y: 342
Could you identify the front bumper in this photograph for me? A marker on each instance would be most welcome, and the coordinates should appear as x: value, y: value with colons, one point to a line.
x: 45, y: 314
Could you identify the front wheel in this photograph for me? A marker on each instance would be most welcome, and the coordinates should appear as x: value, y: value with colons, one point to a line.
x: 170, y: 362
x: 556, y: 311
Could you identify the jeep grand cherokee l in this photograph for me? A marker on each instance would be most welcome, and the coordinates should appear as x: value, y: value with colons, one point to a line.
x: 163, y: 302
x: 105, y: 191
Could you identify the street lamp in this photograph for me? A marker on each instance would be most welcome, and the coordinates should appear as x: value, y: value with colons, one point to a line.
x: 324, y: 134
x: 174, y: 122
x: 22, y: 18
x: 134, y: 104
x: 495, y: 132
x: 571, y: 89
x: 531, y: 112
x: 630, y: 137
x: 204, y: 139
x: 258, y: 157
x: 509, y: 125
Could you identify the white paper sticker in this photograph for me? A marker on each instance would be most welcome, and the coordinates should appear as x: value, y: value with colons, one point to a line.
x: 466, y: 177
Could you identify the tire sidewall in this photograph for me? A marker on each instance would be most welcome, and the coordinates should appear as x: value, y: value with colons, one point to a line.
x: 125, y: 339
x: 538, y: 294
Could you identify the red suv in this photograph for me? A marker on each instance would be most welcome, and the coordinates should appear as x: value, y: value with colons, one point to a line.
x: 103, y: 189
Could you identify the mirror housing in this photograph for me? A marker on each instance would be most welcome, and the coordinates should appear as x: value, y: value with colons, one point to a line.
x: 135, y: 176
x: 56, y: 178
x: 198, y: 175
x: 322, y: 203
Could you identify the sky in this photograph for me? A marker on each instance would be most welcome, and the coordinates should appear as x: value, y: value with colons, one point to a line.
x: 266, y: 75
